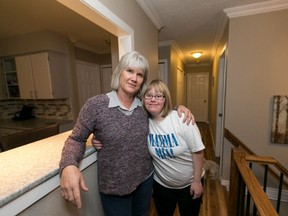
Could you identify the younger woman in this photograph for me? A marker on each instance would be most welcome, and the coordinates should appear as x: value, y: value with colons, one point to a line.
x: 177, y: 152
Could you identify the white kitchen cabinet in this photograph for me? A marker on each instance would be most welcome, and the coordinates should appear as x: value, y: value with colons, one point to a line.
x: 43, y: 75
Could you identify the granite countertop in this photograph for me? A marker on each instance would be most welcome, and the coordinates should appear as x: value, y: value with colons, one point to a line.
x: 28, y: 166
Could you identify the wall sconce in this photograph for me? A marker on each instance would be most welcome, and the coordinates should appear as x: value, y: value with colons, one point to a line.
x: 196, y: 54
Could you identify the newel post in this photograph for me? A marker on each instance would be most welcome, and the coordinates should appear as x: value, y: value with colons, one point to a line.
x: 236, y: 187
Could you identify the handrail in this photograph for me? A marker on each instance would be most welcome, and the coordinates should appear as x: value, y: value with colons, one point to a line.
x: 267, y: 160
x: 237, y: 143
x: 264, y: 206
x: 242, y: 179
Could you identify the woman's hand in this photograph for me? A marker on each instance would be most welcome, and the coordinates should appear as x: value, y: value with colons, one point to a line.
x: 196, y: 189
x: 96, y: 144
x: 70, y: 184
x: 189, y: 117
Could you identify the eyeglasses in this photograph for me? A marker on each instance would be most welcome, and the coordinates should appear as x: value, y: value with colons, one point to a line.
x: 157, y: 97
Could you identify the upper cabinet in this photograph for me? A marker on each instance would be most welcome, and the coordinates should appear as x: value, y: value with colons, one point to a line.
x: 43, y: 75
x: 10, y: 78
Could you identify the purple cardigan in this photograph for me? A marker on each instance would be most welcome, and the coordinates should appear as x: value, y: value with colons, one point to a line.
x: 124, y: 161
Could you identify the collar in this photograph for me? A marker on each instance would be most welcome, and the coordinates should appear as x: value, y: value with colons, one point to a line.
x: 115, y: 102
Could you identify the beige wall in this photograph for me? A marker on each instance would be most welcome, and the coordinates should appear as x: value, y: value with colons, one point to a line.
x: 256, y: 71
x: 214, y: 87
x: 145, y: 33
x: 174, y: 61
x: 92, y: 57
x: 33, y: 42
x: 145, y: 41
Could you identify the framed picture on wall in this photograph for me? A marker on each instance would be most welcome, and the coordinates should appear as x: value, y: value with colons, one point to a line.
x: 279, y: 133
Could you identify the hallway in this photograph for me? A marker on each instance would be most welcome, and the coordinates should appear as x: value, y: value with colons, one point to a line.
x: 209, y: 152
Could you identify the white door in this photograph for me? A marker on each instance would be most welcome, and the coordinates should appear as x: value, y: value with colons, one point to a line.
x: 197, y: 95
x: 106, y: 74
x: 88, y: 80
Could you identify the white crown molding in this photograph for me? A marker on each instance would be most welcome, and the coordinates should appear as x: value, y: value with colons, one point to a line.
x: 220, y: 32
x: 173, y: 44
x: 257, y: 8
x: 151, y: 13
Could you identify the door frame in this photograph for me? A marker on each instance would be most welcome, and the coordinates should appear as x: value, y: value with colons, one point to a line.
x: 220, y: 118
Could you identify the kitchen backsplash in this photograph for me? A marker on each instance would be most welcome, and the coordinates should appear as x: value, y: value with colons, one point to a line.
x: 45, y: 109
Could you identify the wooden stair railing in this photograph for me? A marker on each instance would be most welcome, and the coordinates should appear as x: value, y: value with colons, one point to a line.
x: 237, y: 143
x: 244, y: 185
x: 242, y: 177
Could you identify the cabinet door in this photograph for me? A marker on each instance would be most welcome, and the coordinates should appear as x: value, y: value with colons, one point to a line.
x: 41, y: 74
x: 25, y: 77
x: 10, y: 80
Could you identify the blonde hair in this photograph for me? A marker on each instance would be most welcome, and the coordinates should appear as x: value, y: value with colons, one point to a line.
x: 131, y: 59
x: 162, y: 88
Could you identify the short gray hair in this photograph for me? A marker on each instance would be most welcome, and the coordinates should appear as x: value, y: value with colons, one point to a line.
x: 131, y: 59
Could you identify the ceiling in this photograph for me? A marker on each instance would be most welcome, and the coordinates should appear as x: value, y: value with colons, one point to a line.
x: 22, y: 17
x: 191, y: 25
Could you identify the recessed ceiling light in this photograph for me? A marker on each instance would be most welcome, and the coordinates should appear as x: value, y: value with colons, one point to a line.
x: 196, y: 54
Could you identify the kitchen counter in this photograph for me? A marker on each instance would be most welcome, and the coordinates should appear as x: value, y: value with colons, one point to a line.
x: 8, y: 131
x: 30, y: 123
x: 29, y: 168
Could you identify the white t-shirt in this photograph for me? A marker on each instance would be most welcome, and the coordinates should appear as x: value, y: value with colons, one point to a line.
x: 171, y: 143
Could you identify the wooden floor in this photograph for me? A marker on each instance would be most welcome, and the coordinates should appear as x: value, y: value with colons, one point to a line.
x: 215, y: 195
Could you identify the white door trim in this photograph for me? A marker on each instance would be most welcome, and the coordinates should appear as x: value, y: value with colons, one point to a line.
x: 106, y: 19
x: 220, y: 118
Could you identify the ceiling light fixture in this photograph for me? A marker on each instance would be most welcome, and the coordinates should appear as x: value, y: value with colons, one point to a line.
x: 196, y: 54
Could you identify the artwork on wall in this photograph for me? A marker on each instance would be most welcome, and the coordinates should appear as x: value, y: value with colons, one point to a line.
x: 279, y: 133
